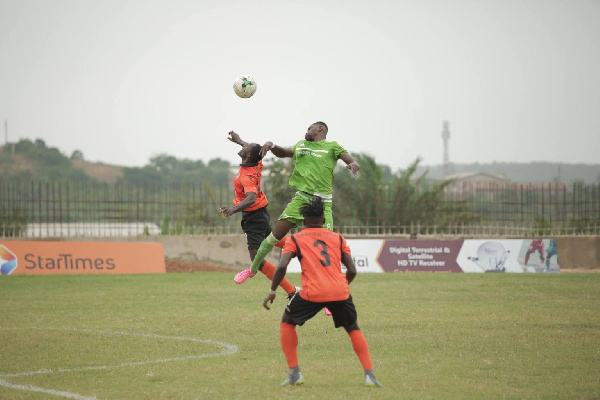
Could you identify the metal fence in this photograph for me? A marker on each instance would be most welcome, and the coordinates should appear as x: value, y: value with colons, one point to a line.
x: 65, y: 209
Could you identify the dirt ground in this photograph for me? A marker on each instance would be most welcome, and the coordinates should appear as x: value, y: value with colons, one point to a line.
x: 580, y: 271
x: 103, y: 172
x: 175, y: 265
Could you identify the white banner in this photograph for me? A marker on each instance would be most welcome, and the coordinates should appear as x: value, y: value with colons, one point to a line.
x: 471, y: 255
x: 364, y: 254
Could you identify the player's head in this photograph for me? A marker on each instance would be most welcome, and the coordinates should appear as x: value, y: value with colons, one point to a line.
x: 250, y: 153
x: 317, y: 131
x: 313, y: 212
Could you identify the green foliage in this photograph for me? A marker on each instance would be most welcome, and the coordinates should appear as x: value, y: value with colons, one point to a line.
x: 219, y: 171
x: 77, y: 155
x: 541, y: 226
x: 190, y: 209
x: 165, y: 226
x: 166, y: 169
x: 147, y: 176
x: 49, y: 164
x: 359, y: 196
x: 401, y: 201
x: 12, y: 221
x: 276, y: 175
x: 43, y: 156
x: 375, y: 202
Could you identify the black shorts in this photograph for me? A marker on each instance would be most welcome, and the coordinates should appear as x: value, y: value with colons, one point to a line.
x: 257, y: 226
x: 300, y: 310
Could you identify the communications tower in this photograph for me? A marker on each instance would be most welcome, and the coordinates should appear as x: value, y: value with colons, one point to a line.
x: 446, y: 138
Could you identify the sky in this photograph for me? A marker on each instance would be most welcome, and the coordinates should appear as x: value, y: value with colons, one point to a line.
x: 123, y: 81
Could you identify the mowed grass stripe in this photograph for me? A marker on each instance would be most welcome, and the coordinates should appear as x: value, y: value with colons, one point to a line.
x: 431, y: 336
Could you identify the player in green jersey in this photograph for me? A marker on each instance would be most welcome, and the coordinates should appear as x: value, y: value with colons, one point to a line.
x: 316, y: 159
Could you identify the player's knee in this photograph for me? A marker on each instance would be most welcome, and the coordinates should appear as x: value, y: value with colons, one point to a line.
x: 286, y: 319
x: 352, y: 327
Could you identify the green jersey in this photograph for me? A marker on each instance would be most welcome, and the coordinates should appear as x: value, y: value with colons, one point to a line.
x: 315, y: 163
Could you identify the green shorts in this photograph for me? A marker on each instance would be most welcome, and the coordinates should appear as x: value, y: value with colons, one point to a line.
x: 292, y: 210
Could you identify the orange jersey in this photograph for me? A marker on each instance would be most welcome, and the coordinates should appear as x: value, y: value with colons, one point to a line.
x: 320, y: 253
x: 246, y: 181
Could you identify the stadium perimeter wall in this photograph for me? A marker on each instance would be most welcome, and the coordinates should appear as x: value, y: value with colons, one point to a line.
x: 575, y: 253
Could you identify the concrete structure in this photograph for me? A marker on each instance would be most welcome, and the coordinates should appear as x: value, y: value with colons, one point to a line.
x: 446, y: 160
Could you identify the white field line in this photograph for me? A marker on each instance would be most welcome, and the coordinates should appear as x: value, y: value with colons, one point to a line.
x: 226, y: 350
x: 46, y: 391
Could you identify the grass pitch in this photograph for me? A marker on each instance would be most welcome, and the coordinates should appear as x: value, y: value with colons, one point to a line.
x: 200, y: 336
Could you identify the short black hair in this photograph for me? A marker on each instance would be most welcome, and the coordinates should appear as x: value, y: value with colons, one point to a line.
x: 314, y: 208
x: 323, y: 124
x: 255, y: 153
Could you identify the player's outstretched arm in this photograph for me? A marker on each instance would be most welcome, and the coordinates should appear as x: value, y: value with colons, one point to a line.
x: 278, y: 151
x: 350, y: 268
x: 352, y: 165
x: 278, y: 277
x: 235, y: 138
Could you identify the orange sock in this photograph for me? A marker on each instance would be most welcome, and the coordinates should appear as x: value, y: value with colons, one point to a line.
x: 269, y: 270
x: 281, y: 243
x: 361, y: 348
x: 289, y: 343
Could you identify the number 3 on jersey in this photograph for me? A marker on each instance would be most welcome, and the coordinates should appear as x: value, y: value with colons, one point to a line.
x: 326, y: 261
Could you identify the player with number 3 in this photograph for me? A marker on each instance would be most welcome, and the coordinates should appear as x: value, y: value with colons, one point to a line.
x: 320, y: 253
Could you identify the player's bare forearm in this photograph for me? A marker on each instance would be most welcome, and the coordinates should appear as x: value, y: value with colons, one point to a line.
x: 235, y: 138
x: 352, y: 165
x: 281, y: 152
x: 277, y: 278
x: 350, y: 268
x: 281, y: 270
x: 247, y: 202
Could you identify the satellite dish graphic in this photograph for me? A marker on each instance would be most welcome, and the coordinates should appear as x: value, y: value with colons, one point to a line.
x: 491, y: 257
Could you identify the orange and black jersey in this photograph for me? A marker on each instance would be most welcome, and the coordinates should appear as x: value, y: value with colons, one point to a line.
x: 246, y: 181
x: 319, y: 251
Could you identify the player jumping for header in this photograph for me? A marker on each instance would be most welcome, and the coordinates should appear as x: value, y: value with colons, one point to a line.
x: 316, y: 159
x: 252, y: 202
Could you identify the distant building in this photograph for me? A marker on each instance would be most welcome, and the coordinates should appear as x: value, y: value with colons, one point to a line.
x: 477, y: 177
x: 473, y: 182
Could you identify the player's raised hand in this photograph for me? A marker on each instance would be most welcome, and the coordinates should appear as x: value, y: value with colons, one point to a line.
x: 265, y: 148
x: 353, y: 167
x: 234, y: 137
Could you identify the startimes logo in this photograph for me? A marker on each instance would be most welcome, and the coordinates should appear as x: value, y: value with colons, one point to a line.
x: 8, y: 261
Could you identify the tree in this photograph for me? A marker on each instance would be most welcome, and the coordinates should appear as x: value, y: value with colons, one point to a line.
x: 164, y: 162
x: 403, y: 201
x: 77, y: 155
x: 359, y: 197
x: 275, y: 183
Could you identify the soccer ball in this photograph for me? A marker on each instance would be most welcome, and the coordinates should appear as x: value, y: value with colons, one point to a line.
x: 244, y: 86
